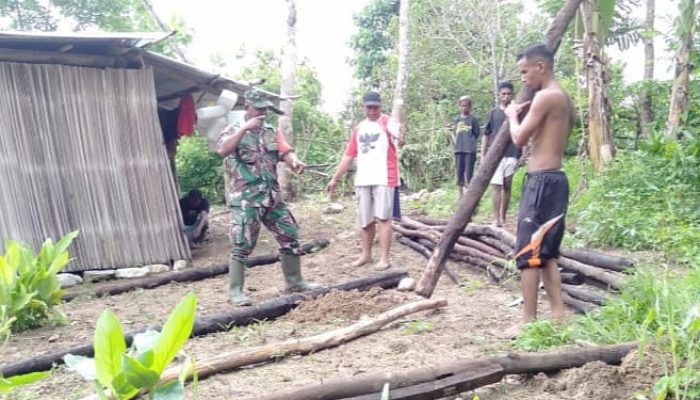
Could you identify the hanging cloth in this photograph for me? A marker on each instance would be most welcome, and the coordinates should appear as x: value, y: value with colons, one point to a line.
x: 187, y: 117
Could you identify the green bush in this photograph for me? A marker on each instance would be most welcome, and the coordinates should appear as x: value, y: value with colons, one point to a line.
x: 29, y: 287
x: 643, y: 201
x: 200, y: 168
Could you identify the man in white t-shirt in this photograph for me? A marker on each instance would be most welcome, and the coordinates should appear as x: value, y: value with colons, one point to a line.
x: 373, y: 144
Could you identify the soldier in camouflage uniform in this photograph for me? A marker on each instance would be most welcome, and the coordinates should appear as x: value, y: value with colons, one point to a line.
x: 251, y: 151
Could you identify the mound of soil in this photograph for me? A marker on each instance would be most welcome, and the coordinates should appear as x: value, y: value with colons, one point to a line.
x: 342, y: 306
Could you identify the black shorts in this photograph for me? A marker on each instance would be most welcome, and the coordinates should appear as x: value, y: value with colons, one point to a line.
x: 543, y: 205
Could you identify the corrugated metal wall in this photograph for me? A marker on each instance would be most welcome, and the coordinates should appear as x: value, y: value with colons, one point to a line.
x: 81, y: 148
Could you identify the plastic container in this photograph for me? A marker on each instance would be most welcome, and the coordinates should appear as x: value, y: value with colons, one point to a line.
x: 227, y: 99
x: 212, y: 132
x: 211, y: 112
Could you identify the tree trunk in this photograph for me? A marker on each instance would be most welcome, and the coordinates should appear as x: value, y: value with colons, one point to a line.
x: 228, y: 361
x: 646, y: 112
x: 188, y: 275
x: 601, y: 146
x: 524, y: 363
x: 476, y: 189
x: 679, y: 93
x: 397, y: 110
x: 285, y: 122
x: 211, y: 324
x: 171, y: 41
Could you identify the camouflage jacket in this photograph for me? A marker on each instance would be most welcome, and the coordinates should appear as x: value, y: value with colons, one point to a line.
x: 252, y: 167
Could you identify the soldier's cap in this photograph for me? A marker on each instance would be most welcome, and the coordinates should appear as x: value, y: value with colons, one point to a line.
x: 371, y: 99
x: 259, y: 99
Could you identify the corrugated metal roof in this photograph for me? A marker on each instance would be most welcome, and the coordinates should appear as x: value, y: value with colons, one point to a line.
x: 173, y: 78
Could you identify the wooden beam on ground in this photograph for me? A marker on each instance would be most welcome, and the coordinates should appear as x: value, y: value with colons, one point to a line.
x: 187, y: 275
x: 446, y: 387
x: 240, y: 316
x: 514, y: 363
x: 229, y: 361
x: 425, y: 252
x: 613, y: 263
x: 609, y: 279
x: 583, y: 294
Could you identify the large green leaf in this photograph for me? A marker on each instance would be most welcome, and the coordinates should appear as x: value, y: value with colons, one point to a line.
x: 137, y: 374
x: 7, y: 384
x: 175, y: 332
x: 63, y: 244
x: 606, y: 9
x: 172, y: 391
x: 84, y: 366
x: 7, y: 275
x: 57, y: 264
x: 109, y: 348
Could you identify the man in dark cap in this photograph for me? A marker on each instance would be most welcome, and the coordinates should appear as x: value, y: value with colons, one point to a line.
x: 373, y: 144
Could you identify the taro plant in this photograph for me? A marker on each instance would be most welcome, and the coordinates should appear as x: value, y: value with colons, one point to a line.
x: 119, y: 373
x: 29, y: 287
x: 14, y: 382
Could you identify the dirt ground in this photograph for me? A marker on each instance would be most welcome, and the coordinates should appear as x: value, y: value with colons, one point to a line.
x: 468, y: 327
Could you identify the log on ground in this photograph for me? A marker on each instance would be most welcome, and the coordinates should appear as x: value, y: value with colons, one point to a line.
x: 525, y: 363
x: 579, y: 306
x: 608, y: 279
x: 584, y: 295
x: 229, y: 361
x: 216, y: 323
x: 188, y: 275
x: 446, y: 387
x: 613, y: 263
x: 422, y: 250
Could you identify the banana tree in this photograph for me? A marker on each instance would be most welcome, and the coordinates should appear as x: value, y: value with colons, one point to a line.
x: 685, y: 31
x: 597, y: 16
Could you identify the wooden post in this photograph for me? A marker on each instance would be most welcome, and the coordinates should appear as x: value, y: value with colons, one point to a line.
x: 475, y: 190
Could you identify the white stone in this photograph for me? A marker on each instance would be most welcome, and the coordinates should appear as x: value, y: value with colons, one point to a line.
x: 68, y: 280
x: 180, y: 265
x: 98, y: 275
x: 157, y: 268
x: 132, y: 272
x: 332, y: 208
x: 407, y: 284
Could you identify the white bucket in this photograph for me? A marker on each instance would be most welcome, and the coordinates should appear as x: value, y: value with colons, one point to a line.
x: 211, y: 112
x: 227, y: 99
x: 235, y: 116
x: 212, y: 133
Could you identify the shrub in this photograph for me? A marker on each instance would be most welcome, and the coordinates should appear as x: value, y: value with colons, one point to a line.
x: 29, y: 287
x: 200, y: 168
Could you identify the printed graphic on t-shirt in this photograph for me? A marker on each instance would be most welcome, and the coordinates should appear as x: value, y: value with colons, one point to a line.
x: 368, y: 140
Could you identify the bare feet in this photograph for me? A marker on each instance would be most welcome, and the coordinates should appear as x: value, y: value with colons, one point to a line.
x: 361, y: 261
x: 382, y: 265
x: 513, y: 332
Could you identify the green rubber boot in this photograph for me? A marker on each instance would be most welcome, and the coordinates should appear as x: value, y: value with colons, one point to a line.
x: 236, y: 277
x: 291, y: 268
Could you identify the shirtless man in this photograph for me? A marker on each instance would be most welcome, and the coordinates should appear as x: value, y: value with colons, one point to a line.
x: 545, y: 194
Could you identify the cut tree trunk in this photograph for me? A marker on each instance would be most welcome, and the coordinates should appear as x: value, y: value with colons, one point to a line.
x: 613, y: 263
x: 425, y: 252
x: 464, y: 245
x: 607, y: 279
x: 273, y: 351
x: 583, y: 294
x: 579, y: 306
x: 524, y: 363
x: 216, y: 323
x: 188, y: 275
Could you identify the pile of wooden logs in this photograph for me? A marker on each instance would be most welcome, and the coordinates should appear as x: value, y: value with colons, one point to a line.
x: 491, y: 249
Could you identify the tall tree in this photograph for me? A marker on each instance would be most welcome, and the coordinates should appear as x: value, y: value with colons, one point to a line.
x: 397, y: 110
x: 646, y: 114
x: 289, y: 65
x: 372, y: 43
x: 685, y: 31
x: 597, y: 18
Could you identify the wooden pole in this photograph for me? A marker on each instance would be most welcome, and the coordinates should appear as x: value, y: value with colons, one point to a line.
x: 523, y: 363
x: 476, y: 189
x: 215, y: 323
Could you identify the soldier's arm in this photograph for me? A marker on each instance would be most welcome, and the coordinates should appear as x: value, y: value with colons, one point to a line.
x: 228, y: 142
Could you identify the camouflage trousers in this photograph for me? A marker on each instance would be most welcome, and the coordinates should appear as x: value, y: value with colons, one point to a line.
x: 245, y: 229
